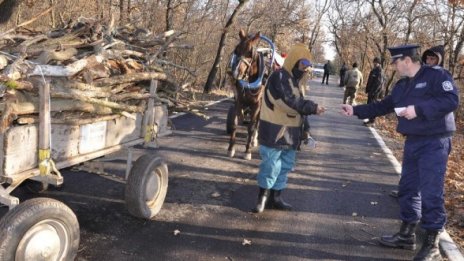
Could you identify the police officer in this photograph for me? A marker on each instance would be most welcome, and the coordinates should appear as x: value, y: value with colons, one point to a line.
x: 430, y: 57
x: 424, y: 100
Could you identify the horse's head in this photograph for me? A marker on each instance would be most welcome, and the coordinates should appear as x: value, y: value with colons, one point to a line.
x: 247, y: 56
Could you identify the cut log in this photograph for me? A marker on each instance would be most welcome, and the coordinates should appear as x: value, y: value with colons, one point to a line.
x: 18, y: 85
x: 109, y: 104
x: 47, y: 56
x: 134, y: 77
x: 67, y: 71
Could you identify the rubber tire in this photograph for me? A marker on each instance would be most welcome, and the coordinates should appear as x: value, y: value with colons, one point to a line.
x: 16, y: 223
x: 139, y: 175
x: 231, y: 120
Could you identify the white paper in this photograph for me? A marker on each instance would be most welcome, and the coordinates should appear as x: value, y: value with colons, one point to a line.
x: 399, y: 109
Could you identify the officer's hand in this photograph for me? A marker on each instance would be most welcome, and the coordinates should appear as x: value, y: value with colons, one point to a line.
x: 320, y: 110
x: 347, y: 110
x: 409, y: 113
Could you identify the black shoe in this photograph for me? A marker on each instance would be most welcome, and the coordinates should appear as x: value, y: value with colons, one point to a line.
x: 278, y: 202
x: 429, y: 250
x: 393, y: 193
x: 405, y: 238
x: 263, y: 197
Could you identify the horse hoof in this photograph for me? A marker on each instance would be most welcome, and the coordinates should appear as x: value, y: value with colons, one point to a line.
x: 248, y: 156
x: 231, y: 153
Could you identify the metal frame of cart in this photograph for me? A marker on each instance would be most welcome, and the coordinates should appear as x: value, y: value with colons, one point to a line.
x: 46, y: 229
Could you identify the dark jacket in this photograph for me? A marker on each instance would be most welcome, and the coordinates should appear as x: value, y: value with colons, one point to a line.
x: 326, y: 68
x: 374, y: 82
x: 283, y: 105
x: 433, y: 93
x: 343, y: 70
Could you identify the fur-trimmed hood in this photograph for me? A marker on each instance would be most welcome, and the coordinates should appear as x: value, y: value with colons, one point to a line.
x: 438, y: 51
x: 297, y: 52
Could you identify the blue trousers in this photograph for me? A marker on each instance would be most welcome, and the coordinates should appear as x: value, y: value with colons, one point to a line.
x: 275, y: 166
x: 421, y: 188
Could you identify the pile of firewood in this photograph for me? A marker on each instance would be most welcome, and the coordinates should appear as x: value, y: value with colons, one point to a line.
x: 93, y: 70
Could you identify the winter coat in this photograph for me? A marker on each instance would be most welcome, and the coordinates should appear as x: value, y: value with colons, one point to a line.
x: 283, y: 104
x: 375, y: 81
x: 353, y: 78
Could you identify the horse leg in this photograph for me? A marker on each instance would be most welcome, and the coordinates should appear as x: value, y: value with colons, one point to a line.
x: 254, y: 141
x: 252, y: 130
x: 231, y: 149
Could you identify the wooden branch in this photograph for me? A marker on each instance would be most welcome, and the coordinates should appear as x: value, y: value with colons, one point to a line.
x: 56, y: 81
x: 67, y: 71
x: 127, y: 78
x: 12, y: 109
x: 109, y: 104
x: 17, y: 85
x: 87, y: 93
x: 130, y: 96
x: 47, y: 56
x: 163, y: 62
x: 27, y: 22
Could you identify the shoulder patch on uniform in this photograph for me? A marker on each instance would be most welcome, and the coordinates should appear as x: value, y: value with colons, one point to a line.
x: 420, y: 85
x: 447, y: 86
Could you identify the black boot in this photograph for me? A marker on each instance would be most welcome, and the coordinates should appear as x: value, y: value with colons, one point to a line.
x: 278, y: 202
x: 405, y: 238
x: 429, y: 250
x: 263, y: 197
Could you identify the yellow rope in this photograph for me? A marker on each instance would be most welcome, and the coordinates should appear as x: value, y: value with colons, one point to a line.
x: 149, y: 133
x: 46, y: 164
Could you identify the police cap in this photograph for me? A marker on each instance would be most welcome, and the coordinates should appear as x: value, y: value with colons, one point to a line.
x: 401, y: 51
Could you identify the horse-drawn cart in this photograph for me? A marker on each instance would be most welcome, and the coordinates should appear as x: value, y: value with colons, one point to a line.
x: 248, y: 68
x: 46, y: 229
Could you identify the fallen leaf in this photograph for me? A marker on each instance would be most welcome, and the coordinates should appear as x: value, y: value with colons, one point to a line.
x: 246, y: 242
x: 216, y: 194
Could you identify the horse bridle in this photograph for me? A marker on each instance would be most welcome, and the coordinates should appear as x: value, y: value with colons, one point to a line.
x: 248, y: 62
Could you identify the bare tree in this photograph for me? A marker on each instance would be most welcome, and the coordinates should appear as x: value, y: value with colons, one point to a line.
x: 220, y: 51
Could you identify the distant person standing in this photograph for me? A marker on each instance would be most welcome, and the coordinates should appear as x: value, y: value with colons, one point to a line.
x: 326, y: 73
x: 353, y: 80
x: 374, y: 86
x: 343, y: 70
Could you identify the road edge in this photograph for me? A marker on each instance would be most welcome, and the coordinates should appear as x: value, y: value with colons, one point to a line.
x: 447, y: 245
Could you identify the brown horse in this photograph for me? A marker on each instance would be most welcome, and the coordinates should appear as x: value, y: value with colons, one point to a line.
x: 246, y: 73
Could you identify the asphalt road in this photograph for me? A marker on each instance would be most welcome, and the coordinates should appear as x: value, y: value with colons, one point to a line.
x: 339, y: 192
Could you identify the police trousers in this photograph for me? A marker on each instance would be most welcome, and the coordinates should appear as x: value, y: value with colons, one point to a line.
x: 421, y: 188
x: 274, y: 167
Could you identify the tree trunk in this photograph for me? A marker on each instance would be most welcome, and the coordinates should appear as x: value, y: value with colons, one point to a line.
x: 220, y: 51
x: 122, y: 13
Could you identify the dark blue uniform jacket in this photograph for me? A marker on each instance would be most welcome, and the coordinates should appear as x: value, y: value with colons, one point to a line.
x: 434, y: 95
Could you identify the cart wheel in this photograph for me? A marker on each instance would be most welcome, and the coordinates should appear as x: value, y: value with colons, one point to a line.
x: 231, y: 119
x: 39, y: 229
x: 147, y: 186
